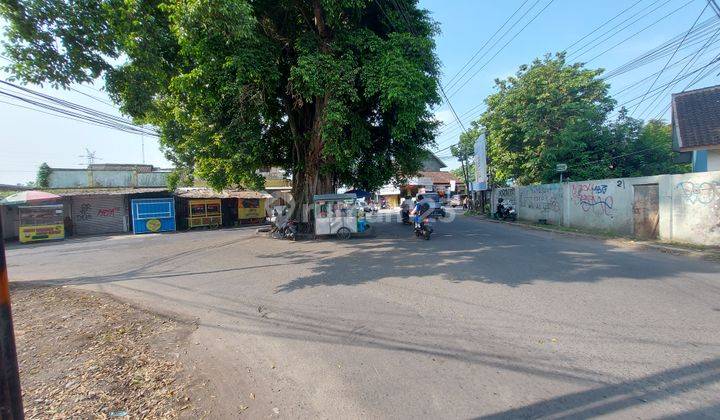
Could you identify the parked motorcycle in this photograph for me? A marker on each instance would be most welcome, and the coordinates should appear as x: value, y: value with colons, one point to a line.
x: 423, y: 228
x: 285, y: 230
x: 505, y: 212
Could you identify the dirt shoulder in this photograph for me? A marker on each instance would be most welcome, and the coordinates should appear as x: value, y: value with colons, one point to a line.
x: 87, y: 355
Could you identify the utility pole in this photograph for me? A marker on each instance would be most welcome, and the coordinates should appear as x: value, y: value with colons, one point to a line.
x: 142, y: 145
x: 10, y: 394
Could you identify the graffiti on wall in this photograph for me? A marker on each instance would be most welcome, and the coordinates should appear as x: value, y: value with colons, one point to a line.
x: 508, y: 195
x: 108, y: 212
x: 595, y: 198
x: 540, y: 197
x: 85, y: 212
x: 699, y: 192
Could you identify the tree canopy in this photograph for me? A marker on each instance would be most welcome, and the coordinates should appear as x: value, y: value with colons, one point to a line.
x: 550, y: 112
x: 335, y: 91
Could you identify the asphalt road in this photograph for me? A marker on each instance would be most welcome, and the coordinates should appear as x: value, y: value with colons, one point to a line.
x: 484, y: 320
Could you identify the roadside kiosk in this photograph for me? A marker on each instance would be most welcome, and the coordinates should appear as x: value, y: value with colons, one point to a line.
x: 336, y: 214
x: 206, y: 212
x: 152, y: 215
x: 41, y: 223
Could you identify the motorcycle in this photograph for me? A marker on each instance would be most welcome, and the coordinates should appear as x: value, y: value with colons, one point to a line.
x: 506, y: 213
x: 423, y: 229
x: 285, y: 230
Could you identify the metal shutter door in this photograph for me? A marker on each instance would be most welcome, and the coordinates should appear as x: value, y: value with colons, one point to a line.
x: 94, y: 215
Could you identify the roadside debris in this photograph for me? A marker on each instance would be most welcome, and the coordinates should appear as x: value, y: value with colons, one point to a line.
x: 86, y: 355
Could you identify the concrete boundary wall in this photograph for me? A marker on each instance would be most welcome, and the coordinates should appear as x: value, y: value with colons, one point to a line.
x: 688, y: 208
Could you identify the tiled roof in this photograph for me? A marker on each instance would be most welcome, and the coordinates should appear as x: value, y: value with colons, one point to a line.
x: 440, y: 177
x: 696, y: 119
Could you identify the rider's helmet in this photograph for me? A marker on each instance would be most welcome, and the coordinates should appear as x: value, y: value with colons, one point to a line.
x: 500, y: 200
x: 419, y: 197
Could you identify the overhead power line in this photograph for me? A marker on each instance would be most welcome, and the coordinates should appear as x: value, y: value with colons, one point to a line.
x: 671, y: 57
x: 70, y: 109
x: 569, y: 47
x: 487, y: 42
x: 658, y: 97
x: 410, y: 28
x: 701, y: 33
x: 457, y: 89
x: 640, y: 31
x: 452, y: 84
x: 610, y: 33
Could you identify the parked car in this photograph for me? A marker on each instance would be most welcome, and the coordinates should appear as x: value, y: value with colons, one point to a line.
x: 455, y: 201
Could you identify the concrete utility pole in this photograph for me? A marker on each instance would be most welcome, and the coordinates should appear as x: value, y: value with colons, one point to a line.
x: 10, y: 395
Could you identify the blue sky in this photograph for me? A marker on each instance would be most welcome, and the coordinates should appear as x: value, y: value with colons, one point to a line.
x: 29, y: 138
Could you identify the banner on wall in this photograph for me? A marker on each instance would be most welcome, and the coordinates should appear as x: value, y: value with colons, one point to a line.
x: 481, y: 178
x: 251, y: 208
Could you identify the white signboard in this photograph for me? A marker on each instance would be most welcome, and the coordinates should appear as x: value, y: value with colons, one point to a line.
x: 481, y: 178
x: 452, y: 185
x: 389, y: 189
x: 421, y: 180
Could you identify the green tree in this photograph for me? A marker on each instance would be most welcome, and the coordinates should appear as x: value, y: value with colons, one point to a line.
x: 636, y: 148
x: 42, y: 180
x: 550, y: 112
x: 335, y: 91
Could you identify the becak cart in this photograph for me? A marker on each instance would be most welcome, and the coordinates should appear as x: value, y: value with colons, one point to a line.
x: 337, y: 214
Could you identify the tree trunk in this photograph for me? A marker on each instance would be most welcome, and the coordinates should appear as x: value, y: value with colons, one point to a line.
x: 309, y: 180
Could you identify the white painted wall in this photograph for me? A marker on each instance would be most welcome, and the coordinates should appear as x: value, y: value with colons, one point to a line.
x: 541, y: 202
x: 689, y: 207
x: 713, y: 160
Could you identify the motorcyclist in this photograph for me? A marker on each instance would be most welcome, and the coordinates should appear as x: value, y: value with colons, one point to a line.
x: 420, y: 209
x: 500, y: 207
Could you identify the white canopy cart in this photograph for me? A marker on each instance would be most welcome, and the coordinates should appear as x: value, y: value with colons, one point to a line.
x: 336, y: 214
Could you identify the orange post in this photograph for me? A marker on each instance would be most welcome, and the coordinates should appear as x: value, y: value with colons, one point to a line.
x: 11, y: 407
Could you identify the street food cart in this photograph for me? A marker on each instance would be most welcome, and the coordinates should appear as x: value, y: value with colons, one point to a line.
x: 337, y: 214
x: 41, y: 223
x: 206, y: 212
x: 152, y: 215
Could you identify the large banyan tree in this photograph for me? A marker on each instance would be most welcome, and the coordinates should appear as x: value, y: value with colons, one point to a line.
x: 334, y: 91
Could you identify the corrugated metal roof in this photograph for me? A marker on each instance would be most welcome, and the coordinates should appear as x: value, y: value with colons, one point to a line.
x: 199, y: 192
x: 104, y: 191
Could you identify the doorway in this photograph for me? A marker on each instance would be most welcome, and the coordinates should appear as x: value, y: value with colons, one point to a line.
x: 646, y: 211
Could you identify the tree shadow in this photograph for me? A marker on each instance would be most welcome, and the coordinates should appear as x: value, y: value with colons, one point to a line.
x: 487, y: 253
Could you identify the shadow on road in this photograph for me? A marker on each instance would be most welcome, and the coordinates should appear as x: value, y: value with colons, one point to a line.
x: 612, y: 398
x: 489, y: 253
